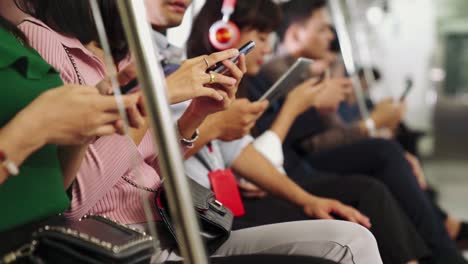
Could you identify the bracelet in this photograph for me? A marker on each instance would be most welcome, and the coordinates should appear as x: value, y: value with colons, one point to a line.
x: 7, y: 164
x: 370, y: 125
x: 188, y: 142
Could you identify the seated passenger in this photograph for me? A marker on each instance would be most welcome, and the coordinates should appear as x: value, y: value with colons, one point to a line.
x: 36, y: 120
x: 107, y: 183
x: 367, y: 195
x: 305, y: 32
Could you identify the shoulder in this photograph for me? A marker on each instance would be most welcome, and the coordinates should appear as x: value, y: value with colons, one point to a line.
x: 49, y: 44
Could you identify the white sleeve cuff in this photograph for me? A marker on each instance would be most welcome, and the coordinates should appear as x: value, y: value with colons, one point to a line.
x: 271, y: 147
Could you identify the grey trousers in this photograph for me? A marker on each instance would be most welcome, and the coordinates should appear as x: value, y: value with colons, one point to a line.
x: 339, y: 241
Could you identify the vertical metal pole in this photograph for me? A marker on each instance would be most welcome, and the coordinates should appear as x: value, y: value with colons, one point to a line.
x: 361, y: 42
x: 152, y: 82
x: 347, y: 53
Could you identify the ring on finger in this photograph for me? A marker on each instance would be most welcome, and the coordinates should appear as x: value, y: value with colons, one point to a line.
x: 212, y: 77
x: 206, y: 62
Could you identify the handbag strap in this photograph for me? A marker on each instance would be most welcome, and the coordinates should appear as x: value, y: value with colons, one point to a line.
x: 72, y: 60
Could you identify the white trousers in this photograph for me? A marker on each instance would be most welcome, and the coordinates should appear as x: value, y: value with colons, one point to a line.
x: 340, y: 241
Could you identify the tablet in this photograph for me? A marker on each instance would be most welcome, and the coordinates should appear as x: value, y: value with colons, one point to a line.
x: 295, y: 75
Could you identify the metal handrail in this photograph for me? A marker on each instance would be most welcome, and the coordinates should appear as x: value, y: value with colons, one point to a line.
x: 152, y: 82
x: 347, y: 53
x: 361, y: 42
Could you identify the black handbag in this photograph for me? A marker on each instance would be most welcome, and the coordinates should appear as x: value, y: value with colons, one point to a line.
x: 93, y: 239
x: 214, y: 218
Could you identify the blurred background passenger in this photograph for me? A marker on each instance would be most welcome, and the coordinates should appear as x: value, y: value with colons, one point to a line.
x: 305, y: 32
x: 367, y: 195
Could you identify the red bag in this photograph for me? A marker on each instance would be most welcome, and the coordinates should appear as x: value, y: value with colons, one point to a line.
x: 224, y: 185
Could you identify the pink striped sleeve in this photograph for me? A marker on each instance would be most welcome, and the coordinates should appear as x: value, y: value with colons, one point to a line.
x: 106, y: 161
x: 50, y: 48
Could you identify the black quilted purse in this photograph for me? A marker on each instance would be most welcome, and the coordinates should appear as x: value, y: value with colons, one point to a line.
x: 93, y: 239
x: 215, y: 219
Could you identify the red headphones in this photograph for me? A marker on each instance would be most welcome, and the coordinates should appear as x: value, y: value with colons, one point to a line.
x: 224, y: 34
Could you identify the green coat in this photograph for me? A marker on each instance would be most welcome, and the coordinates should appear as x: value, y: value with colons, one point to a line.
x: 38, y: 192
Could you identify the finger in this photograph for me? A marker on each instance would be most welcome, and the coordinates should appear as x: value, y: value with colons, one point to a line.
x: 104, y: 130
x: 233, y: 69
x: 257, y: 107
x: 141, y: 106
x: 226, y: 100
x: 363, y: 220
x: 242, y: 63
x: 220, y: 56
x: 211, y: 93
x: 109, y: 103
x: 106, y: 118
x: 105, y: 87
x: 219, y: 78
x: 127, y: 74
x: 135, y: 119
x: 324, y: 215
x: 120, y: 127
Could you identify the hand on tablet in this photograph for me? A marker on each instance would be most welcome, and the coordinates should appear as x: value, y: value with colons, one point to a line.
x: 333, y: 92
x: 304, y: 96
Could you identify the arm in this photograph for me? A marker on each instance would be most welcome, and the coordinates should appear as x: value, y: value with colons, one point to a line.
x: 336, y: 133
x: 254, y: 167
x: 18, y: 145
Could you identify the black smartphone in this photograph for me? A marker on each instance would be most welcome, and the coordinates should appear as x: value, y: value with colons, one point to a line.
x: 408, y: 87
x: 129, y: 86
x: 220, y: 68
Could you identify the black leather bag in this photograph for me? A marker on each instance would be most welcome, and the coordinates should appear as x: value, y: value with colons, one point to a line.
x: 214, y: 218
x: 93, y: 239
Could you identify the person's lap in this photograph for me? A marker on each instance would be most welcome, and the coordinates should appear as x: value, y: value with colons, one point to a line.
x: 397, y: 238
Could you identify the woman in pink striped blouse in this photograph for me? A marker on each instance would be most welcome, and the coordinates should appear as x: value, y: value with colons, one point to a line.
x: 113, y: 165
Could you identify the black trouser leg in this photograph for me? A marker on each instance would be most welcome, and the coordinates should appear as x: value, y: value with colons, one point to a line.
x: 385, y: 161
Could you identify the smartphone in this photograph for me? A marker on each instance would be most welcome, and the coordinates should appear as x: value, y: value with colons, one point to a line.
x: 408, y: 87
x: 129, y: 86
x: 220, y: 68
x: 295, y: 75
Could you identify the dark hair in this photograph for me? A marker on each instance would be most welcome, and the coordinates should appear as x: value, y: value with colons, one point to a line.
x: 73, y: 18
x: 10, y: 27
x: 261, y: 15
x: 298, y: 11
x: 375, y: 72
x: 335, y: 44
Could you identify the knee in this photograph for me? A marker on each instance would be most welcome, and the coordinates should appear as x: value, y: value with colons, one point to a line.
x: 364, y: 244
x: 387, y: 151
x: 372, y: 186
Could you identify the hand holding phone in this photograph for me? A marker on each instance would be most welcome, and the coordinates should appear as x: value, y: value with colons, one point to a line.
x: 220, y: 68
x: 408, y: 87
x: 129, y: 86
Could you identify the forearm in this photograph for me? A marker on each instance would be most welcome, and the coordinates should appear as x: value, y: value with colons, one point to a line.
x: 70, y: 158
x: 336, y: 134
x: 208, y: 132
x: 255, y: 168
x: 284, y: 120
x: 21, y: 137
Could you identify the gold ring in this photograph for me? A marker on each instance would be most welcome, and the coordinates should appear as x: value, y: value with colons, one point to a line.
x: 206, y: 62
x: 212, y: 78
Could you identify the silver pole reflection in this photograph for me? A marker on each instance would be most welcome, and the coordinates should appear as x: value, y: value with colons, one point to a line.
x: 152, y: 82
x: 347, y: 53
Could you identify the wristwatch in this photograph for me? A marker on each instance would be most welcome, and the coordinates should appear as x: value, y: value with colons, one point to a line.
x: 188, y: 142
x: 370, y: 125
x: 8, y: 165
